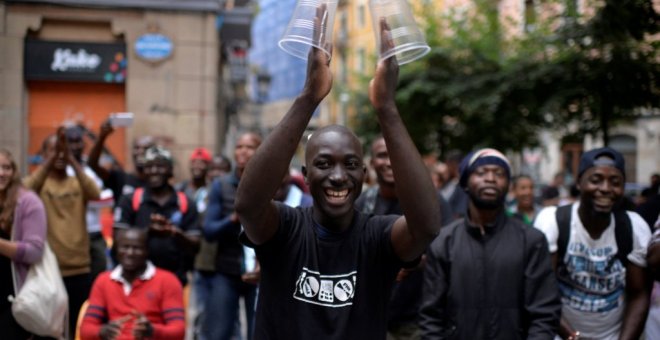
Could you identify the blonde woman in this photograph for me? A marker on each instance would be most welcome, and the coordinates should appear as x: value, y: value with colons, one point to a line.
x: 22, y: 235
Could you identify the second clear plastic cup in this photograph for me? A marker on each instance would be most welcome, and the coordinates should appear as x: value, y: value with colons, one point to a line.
x: 408, y: 40
x: 310, y: 25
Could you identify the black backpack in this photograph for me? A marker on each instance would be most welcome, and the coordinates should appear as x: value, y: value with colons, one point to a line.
x: 622, y: 233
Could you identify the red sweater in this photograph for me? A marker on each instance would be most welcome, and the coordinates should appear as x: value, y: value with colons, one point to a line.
x: 159, y: 298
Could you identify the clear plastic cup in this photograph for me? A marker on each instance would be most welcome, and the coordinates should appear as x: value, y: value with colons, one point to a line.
x: 408, y: 41
x: 310, y: 25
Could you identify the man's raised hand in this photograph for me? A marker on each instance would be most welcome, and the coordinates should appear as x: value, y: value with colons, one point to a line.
x: 383, y: 86
x: 319, y: 77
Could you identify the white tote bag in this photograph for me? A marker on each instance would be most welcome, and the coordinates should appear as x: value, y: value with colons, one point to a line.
x: 41, y: 306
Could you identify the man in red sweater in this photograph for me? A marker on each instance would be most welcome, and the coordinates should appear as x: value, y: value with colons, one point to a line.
x: 135, y: 300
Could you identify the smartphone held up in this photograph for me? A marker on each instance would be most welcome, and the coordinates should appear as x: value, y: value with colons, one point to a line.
x: 121, y: 119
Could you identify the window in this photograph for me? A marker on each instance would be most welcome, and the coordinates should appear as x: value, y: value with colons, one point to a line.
x: 571, y: 8
x: 343, y: 22
x: 343, y: 70
x: 530, y: 15
x: 571, y: 153
x: 361, y: 60
x: 361, y: 16
x: 627, y: 146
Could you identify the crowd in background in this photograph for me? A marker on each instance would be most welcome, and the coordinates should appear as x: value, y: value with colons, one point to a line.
x: 171, y: 235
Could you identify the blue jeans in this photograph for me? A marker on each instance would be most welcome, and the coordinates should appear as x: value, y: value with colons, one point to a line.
x: 217, y: 297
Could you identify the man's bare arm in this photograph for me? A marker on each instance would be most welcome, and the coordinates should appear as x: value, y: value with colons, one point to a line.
x: 421, y: 222
x: 263, y: 174
x: 97, y: 149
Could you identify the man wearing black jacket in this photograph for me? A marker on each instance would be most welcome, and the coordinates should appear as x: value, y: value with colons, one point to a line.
x: 489, y: 276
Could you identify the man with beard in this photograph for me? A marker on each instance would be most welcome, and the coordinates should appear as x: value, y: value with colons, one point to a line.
x: 116, y: 179
x: 221, y: 288
x: 402, y: 318
x: 327, y: 270
x: 488, y: 276
x: 168, y: 215
x: 599, y: 254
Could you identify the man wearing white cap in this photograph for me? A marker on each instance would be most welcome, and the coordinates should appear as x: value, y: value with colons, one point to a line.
x: 488, y: 276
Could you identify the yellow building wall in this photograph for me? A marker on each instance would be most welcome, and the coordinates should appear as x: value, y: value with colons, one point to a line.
x: 357, y: 37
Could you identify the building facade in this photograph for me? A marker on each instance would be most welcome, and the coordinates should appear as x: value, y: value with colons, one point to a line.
x: 354, y: 55
x: 76, y: 62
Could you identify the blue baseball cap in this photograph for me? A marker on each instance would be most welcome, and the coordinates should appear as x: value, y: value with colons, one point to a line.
x: 590, y: 159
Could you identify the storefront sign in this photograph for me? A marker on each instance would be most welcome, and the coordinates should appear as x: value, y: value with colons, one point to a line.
x: 153, y: 47
x: 57, y: 60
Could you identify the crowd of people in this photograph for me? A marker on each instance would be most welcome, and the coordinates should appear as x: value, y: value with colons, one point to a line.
x: 461, y: 250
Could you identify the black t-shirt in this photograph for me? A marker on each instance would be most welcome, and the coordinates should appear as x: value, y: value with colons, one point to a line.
x: 407, y: 294
x: 164, y: 252
x: 316, y: 284
x: 122, y: 183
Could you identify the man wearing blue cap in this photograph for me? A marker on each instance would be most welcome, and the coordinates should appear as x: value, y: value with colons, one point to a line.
x: 488, y: 276
x: 599, y: 254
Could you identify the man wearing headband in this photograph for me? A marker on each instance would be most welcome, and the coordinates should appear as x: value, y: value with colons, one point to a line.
x: 488, y: 276
x: 170, y: 216
x: 599, y: 254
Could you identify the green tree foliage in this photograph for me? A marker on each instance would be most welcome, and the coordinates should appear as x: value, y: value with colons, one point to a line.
x: 477, y: 88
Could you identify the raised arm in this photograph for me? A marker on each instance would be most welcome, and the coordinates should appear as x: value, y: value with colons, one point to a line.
x: 36, y: 180
x: 89, y: 188
x: 421, y: 222
x: 263, y: 174
x: 97, y: 149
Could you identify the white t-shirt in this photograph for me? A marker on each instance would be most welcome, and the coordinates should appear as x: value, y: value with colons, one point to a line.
x: 593, y: 290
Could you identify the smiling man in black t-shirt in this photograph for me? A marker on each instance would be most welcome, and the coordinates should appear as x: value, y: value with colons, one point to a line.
x: 168, y: 215
x: 327, y: 270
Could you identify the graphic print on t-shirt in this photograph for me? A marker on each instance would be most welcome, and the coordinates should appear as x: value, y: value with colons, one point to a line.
x: 325, y: 290
x: 595, y: 279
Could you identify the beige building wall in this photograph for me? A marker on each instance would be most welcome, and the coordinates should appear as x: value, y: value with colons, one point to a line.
x: 175, y: 99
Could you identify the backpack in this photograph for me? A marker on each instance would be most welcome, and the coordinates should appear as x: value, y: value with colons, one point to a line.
x: 41, y: 306
x: 622, y: 233
x: 182, y: 200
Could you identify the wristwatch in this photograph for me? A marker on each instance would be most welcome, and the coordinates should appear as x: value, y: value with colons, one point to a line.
x: 574, y: 336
